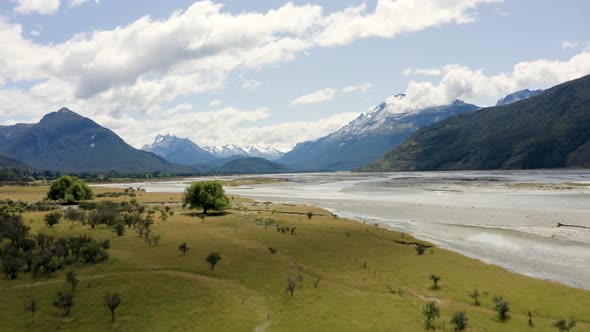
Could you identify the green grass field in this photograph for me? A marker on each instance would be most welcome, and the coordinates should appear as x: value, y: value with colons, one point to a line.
x: 164, y: 291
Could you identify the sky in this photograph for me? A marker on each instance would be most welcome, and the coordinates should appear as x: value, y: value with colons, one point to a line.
x: 275, y: 73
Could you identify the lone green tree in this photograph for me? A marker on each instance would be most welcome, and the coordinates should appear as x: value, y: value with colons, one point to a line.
x: 213, y: 258
x: 112, y: 301
x: 208, y: 195
x: 70, y: 189
x: 431, y: 312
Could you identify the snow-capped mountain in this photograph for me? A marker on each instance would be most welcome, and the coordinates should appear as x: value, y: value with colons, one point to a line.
x: 517, y: 96
x: 178, y: 150
x: 370, y: 135
x: 230, y: 150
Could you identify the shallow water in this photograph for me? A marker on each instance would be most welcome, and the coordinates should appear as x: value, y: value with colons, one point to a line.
x: 506, y: 218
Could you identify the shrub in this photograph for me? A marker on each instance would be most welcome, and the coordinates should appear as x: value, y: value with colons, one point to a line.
x: 502, y: 308
x: 459, y: 319
x: 430, y: 312
x: 65, y: 301
x: 52, y: 218
x: 70, y: 189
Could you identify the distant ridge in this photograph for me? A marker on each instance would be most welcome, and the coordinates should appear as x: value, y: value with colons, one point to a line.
x: 549, y: 130
x: 68, y: 142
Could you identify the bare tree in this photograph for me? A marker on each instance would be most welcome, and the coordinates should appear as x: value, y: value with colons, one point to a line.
x: 316, y: 282
x: 475, y: 296
x: 291, y: 285
x: 73, y: 280
x: 32, y: 306
x: 65, y: 301
x: 112, y: 301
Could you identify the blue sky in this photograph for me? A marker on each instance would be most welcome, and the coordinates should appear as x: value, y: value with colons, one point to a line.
x: 219, y: 75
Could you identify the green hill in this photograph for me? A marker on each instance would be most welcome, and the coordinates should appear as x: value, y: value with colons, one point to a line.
x: 67, y: 142
x: 252, y: 166
x: 550, y: 130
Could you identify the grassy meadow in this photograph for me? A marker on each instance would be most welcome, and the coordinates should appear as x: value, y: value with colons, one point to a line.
x: 368, y: 279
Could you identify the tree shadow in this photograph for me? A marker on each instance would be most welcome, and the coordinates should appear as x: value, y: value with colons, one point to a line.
x: 203, y: 215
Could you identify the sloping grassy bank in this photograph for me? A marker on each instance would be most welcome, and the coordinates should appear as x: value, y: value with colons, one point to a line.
x: 370, y: 279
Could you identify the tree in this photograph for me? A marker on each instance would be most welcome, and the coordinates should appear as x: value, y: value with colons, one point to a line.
x: 565, y: 326
x: 502, y: 308
x: 309, y: 215
x: 183, y: 248
x: 459, y: 319
x: 65, y: 301
x: 213, y: 258
x: 435, y: 279
x: 11, y: 259
x: 475, y: 296
x: 431, y: 312
x: 291, y: 285
x: 112, y: 301
x: 70, y: 189
x: 208, y: 195
x: 32, y: 306
x: 52, y: 218
x: 420, y: 249
x: 73, y: 280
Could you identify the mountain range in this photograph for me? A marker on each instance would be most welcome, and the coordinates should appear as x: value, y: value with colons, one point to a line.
x: 230, y: 150
x: 548, y: 130
x: 65, y: 141
x: 369, y: 136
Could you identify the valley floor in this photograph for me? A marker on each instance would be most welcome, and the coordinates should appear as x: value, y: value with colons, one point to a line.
x: 369, y: 279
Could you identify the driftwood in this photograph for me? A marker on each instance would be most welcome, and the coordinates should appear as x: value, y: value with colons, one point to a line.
x: 575, y: 226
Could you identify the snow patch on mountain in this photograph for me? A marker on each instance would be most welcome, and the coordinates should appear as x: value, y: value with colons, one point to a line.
x: 229, y: 150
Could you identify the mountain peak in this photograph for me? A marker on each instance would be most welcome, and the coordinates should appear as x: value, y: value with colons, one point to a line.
x: 517, y: 96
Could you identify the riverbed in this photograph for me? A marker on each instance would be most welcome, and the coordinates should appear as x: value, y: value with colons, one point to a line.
x: 507, y: 218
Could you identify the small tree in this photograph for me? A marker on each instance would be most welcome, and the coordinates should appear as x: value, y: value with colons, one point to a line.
x: 431, y: 312
x: 475, y: 296
x: 435, y: 279
x: 459, y: 319
x: 502, y: 308
x: 65, y: 301
x: 73, y: 280
x: 565, y: 326
x: 309, y: 215
x: 32, y: 306
x: 52, y: 218
x: 112, y: 301
x: 183, y: 248
x: 420, y: 249
x: 208, y: 195
x: 156, y: 239
x: 291, y: 285
x: 213, y: 258
x: 119, y: 227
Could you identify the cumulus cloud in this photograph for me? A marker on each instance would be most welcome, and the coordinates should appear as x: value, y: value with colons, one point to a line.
x: 131, y: 71
x: 41, y: 7
x: 317, y: 97
x: 459, y: 82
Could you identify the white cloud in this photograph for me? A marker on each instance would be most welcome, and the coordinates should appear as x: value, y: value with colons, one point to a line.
x: 354, y: 88
x: 215, y: 103
x: 567, y: 45
x: 251, y: 85
x: 131, y: 71
x: 422, y: 71
x: 318, y: 97
x: 459, y: 82
x: 41, y: 7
